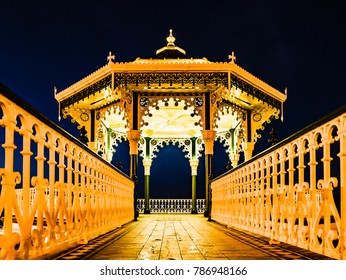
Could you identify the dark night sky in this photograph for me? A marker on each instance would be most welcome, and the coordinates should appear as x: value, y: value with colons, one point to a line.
x: 295, y: 44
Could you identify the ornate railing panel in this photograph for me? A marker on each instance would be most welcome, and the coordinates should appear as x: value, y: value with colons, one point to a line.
x: 294, y: 192
x: 171, y: 205
x: 54, y: 191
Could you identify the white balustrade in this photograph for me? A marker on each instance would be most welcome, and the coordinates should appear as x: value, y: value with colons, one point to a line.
x: 171, y: 205
x: 295, y: 193
x: 54, y: 191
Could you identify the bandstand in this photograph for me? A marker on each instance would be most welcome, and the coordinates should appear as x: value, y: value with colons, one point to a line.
x: 171, y: 99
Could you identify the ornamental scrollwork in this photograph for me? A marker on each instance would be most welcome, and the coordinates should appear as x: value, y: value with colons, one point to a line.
x: 184, y: 143
x: 151, y: 102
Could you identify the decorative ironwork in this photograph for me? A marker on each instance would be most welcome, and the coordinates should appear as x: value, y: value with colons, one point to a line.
x: 90, y: 199
x: 231, y: 140
x: 282, y: 194
x: 198, y: 101
x: 150, y: 102
x: 177, y: 78
x: 171, y: 205
x: 184, y: 143
x: 90, y: 90
x: 249, y: 89
x: 106, y: 146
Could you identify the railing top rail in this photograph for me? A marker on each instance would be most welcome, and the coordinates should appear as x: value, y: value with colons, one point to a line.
x: 285, y: 141
x: 9, y: 94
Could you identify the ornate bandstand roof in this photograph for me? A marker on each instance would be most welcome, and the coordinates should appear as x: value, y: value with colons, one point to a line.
x: 177, y: 97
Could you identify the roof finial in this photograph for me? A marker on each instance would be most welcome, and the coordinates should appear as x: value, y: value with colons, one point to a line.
x: 110, y: 57
x: 232, y: 57
x: 170, y: 39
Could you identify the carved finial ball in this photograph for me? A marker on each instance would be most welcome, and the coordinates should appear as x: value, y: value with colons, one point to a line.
x: 170, y: 39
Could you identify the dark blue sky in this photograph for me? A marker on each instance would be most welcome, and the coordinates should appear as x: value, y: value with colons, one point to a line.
x: 295, y: 44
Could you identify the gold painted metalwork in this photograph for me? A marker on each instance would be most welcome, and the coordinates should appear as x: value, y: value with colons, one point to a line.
x: 68, y: 196
x: 288, y: 194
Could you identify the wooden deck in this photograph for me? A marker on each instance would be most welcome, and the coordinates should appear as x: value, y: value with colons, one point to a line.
x: 182, y: 237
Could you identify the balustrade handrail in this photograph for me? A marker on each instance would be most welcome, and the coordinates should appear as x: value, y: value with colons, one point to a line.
x: 293, y: 192
x: 68, y: 193
x: 288, y: 139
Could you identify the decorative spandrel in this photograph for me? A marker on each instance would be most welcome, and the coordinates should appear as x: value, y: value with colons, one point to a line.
x: 192, y: 147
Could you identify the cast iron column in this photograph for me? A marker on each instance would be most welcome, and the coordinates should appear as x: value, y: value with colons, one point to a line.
x: 147, y: 165
x: 249, y: 145
x: 194, y: 166
x: 133, y: 136
x: 208, y: 138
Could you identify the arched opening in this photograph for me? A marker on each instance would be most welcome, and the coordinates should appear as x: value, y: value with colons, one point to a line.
x: 170, y: 164
x: 121, y: 158
x: 220, y: 159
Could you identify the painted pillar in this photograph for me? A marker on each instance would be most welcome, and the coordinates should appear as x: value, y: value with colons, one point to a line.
x: 249, y: 145
x: 147, y: 165
x: 9, y: 179
x: 233, y: 156
x: 26, y: 153
x: 342, y: 155
x: 92, y: 144
x: 133, y: 136
x: 194, y: 166
x: 109, y: 153
x: 208, y: 138
x: 208, y: 135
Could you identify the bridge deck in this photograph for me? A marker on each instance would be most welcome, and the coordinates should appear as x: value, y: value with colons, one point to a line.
x: 182, y: 237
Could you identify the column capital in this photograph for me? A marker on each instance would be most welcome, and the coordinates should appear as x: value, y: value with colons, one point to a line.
x: 109, y: 156
x: 234, y: 158
x: 208, y: 138
x: 147, y: 164
x: 194, y: 166
x: 133, y: 136
x: 248, y: 148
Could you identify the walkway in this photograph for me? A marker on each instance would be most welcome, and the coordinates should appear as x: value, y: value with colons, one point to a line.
x: 182, y: 237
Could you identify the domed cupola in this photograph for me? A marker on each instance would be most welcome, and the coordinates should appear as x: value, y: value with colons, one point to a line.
x: 171, y: 51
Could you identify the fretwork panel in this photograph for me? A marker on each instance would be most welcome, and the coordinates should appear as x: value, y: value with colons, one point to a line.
x: 295, y: 193
x: 54, y: 191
